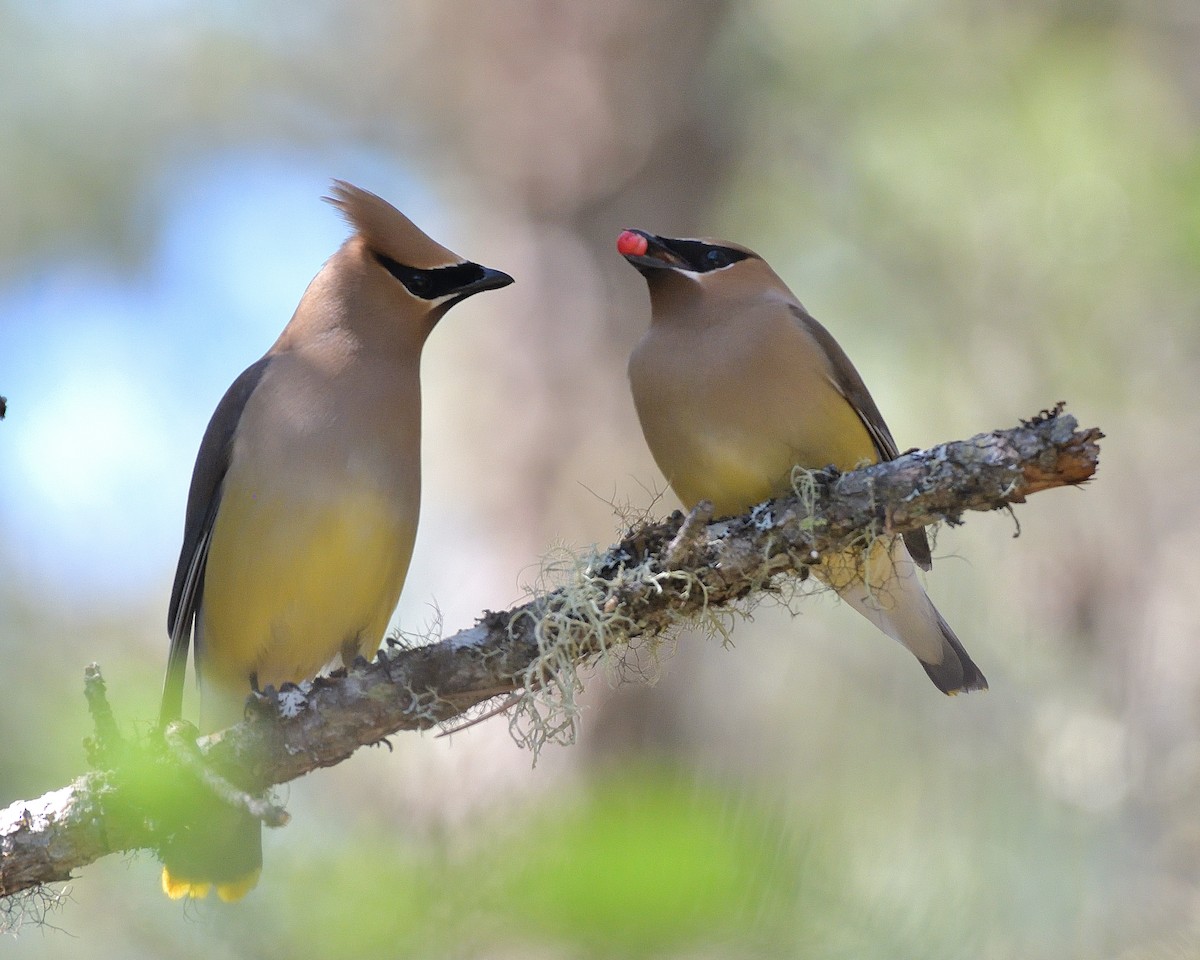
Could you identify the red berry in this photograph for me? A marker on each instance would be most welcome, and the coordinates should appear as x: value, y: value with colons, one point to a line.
x: 630, y: 244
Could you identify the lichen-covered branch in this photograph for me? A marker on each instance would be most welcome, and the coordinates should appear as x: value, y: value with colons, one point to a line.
x: 660, y: 576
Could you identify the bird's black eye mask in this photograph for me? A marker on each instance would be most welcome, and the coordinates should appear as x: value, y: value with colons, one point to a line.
x: 703, y: 257
x: 436, y: 283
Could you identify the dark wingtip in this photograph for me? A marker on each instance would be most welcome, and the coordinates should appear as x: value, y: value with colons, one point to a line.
x: 917, y: 542
x: 953, y: 676
x: 957, y: 672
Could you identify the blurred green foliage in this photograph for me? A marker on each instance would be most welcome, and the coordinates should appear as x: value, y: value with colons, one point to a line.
x: 643, y: 865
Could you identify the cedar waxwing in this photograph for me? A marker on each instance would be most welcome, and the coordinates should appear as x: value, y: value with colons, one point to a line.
x: 735, y: 384
x: 303, y: 505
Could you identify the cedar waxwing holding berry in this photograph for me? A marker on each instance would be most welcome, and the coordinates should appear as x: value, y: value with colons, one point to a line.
x: 304, y: 500
x: 735, y: 384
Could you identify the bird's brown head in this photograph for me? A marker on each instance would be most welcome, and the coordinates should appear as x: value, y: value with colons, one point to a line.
x: 404, y: 265
x: 681, y: 267
x: 652, y: 254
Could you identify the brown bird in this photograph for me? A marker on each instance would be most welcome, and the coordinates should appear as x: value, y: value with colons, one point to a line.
x: 735, y: 384
x: 304, y: 500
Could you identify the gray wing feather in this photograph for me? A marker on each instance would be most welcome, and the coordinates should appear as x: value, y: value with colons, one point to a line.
x: 204, y: 501
x: 851, y: 386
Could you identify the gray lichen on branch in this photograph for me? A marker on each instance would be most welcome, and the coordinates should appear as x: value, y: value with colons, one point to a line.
x: 660, y: 576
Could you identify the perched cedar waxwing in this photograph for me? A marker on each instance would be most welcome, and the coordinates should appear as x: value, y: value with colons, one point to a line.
x: 303, y: 505
x: 735, y: 384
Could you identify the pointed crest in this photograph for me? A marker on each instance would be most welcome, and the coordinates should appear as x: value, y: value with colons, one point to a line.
x: 386, y: 230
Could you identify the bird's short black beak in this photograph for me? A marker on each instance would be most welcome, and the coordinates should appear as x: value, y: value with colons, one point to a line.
x: 656, y: 254
x: 485, y: 278
x: 488, y: 279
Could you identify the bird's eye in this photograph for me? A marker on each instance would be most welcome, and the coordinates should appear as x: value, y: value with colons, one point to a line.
x: 418, y: 282
x: 716, y: 258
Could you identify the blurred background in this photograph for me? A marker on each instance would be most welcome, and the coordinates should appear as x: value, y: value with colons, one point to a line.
x: 992, y: 206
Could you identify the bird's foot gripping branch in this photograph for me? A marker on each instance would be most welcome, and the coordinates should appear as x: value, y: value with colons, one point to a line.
x: 661, y: 575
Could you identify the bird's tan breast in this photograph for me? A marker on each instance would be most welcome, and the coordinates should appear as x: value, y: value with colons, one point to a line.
x: 729, y: 409
x: 315, y: 528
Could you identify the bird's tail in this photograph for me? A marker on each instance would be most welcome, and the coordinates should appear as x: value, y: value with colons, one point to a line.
x: 219, y: 848
x: 885, y: 589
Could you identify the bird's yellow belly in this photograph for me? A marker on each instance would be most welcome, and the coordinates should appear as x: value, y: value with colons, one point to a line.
x: 732, y: 481
x: 291, y: 583
x: 721, y: 439
x: 737, y: 469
